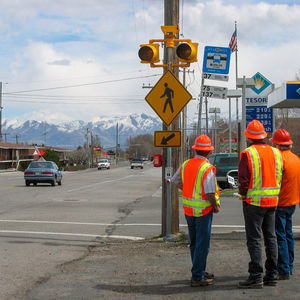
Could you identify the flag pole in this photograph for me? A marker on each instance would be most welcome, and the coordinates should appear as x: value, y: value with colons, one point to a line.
x: 236, y: 77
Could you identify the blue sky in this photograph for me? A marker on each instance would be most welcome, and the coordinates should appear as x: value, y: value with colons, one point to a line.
x: 77, y: 60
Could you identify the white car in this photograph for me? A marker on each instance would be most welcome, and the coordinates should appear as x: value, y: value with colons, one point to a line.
x: 103, y: 164
x: 136, y: 163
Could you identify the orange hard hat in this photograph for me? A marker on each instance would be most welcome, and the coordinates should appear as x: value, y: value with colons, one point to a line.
x: 281, y: 137
x: 203, y: 142
x: 255, y: 130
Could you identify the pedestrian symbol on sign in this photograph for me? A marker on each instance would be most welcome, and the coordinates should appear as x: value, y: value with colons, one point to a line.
x: 170, y: 94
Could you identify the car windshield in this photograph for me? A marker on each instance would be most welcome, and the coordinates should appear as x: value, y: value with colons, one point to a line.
x: 41, y: 164
x: 137, y: 160
x: 103, y: 160
x: 228, y: 161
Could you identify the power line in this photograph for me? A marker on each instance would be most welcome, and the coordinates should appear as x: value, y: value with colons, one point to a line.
x: 83, y: 84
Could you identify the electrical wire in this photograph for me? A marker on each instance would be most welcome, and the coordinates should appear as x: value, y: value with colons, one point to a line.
x: 83, y: 84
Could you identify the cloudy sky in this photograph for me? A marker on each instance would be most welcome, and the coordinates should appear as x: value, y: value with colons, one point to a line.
x: 64, y: 60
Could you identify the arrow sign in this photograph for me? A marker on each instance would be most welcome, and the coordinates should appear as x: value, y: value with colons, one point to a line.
x: 298, y: 91
x: 167, y: 138
x: 164, y: 140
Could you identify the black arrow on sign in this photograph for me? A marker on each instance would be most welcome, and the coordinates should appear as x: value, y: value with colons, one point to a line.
x: 164, y: 140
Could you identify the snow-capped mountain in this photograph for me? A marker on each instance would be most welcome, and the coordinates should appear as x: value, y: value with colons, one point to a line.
x: 73, y: 134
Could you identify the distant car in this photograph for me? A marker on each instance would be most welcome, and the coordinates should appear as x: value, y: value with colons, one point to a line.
x: 226, y: 164
x: 136, y: 163
x: 42, y: 172
x: 103, y: 164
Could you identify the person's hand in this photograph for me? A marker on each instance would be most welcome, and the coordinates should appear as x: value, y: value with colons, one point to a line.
x: 216, y: 209
x: 243, y: 198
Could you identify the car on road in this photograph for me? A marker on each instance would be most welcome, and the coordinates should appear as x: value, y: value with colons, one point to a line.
x: 226, y: 164
x: 42, y: 172
x: 137, y: 163
x: 103, y: 164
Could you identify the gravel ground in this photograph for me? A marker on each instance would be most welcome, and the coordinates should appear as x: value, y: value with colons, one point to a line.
x: 157, y: 270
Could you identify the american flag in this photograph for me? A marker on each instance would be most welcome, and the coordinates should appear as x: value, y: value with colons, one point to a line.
x: 233, y: 42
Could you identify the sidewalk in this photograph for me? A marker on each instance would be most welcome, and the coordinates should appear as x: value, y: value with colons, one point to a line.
x: 114, y: 269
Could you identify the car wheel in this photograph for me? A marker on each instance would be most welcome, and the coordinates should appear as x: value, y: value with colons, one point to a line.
x: 53, y: 183
x: 108, y: 168
x: 131, y: 167
x: 35, y: 183
x: 27, y: 183
x: 142, y: 167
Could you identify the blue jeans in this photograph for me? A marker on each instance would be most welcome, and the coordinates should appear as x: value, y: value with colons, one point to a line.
x: 285, y: 239
x: 199, y: 234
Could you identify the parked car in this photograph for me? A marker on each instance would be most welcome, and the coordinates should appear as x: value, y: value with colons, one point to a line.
x: 103, y: 164
x: 136, y: 163
x: 42, y: 172
x: 226, y: 164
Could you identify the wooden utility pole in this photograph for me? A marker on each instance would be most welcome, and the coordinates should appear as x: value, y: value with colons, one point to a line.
x: 171, y: 18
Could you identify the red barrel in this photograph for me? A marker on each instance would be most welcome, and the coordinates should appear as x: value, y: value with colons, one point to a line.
x: 157, y: 160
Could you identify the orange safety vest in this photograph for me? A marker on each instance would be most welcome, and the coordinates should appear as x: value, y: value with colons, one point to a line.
x: 290, y: 186
x: 265, y: 164
x: 193, y: 174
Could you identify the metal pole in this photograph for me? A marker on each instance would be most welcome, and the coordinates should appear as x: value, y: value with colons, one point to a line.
x: 200, y: 109
x: 1, y: 111
x: 206, y: 115
x: 215, y: 139
x: 243, y: 125
x: 230, y: 146
x: 183, y: 124
x: 117, y: 142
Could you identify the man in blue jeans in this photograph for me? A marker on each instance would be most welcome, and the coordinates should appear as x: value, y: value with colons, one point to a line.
x: 289, y: 197
x: 200, y: 196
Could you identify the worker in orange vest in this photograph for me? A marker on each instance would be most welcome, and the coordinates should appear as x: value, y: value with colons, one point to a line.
x: 289, y: 197
x: 200, y: 196
x: 260, y: 175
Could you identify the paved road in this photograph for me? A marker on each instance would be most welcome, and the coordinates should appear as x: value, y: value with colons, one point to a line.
x: 42, y: 227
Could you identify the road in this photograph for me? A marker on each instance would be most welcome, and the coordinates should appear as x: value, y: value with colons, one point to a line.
x: 43, y: 227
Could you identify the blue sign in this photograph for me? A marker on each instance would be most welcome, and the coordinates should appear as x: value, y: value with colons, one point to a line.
x: 216, y: 60
x: 292, y: 90
x: 262, y: 114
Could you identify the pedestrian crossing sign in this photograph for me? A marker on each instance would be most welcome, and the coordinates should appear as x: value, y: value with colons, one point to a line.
x: 168, y: 97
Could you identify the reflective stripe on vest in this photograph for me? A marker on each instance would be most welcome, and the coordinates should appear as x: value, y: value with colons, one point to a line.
x: 257, y: 191
x: 198, y: 203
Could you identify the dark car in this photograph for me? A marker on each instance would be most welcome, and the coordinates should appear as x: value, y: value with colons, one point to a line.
x: 226, y: 164
x: 42, y: 172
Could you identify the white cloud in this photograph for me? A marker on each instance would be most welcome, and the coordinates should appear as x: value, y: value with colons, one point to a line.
x: 53, y: 44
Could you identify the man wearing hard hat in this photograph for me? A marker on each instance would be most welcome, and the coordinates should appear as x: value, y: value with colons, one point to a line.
x: 260, y: 174
x: 200, y: 196
x: 289, y: 197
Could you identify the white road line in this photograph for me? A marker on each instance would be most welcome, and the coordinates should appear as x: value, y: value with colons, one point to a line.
x: 133, y: 238
x: 99, y: 183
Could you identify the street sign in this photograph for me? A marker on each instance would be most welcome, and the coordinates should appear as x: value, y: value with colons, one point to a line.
x: 257, y: 102
x: 262, y: 114
x: 216, y: 60
x: 219, y: 77
x: 214, y: 91
x: 168, y: 97
x: 167, y: 138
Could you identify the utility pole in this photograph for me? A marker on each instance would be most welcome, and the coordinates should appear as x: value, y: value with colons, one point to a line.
x: 184, y: 118
x: 87, y: 146
x: 5, y: 134
x: 117, y: 142
x: 92, y: 150
x: 170, y: 202
x: 1, y: 111
x: 17, y: 136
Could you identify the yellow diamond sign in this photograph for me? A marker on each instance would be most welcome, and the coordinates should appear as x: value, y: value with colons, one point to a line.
x: 168, y: 97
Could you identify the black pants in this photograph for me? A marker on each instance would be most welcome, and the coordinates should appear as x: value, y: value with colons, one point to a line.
x: 260, y: 220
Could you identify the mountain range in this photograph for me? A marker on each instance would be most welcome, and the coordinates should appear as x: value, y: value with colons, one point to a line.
x: 72, y: 134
